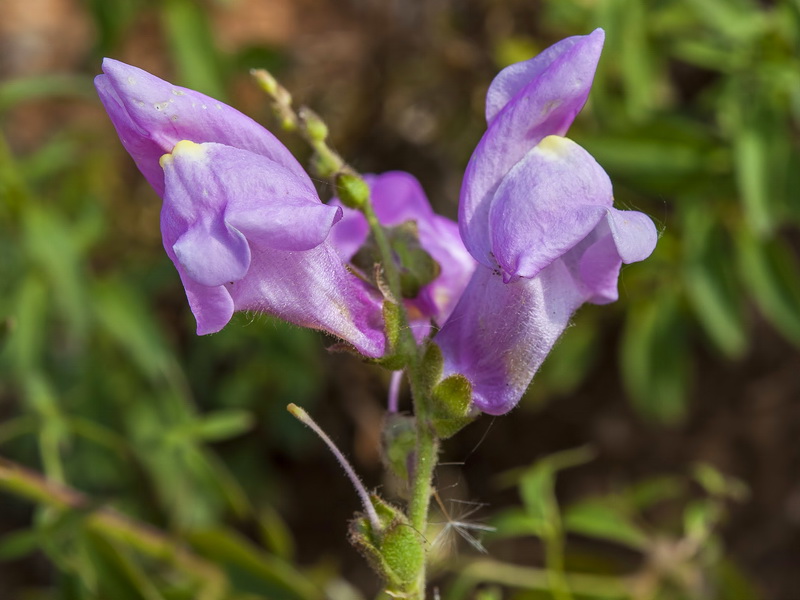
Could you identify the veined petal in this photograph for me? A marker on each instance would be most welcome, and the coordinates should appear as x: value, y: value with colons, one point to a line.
x: 546, y: 204
x: 312, y: 289
x: 152, y: 115
x: 500, y: 333
x: 292, y: 224
x: 623, y: 236
x: 522, y: 112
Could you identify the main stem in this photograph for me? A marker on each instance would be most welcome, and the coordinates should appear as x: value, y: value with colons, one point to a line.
x: 426, y: 451
x: 426, y: 457
x: 329, y: 164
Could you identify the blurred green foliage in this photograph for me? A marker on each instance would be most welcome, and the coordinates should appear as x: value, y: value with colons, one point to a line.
x: 670, y: 522
x: 104, y: 387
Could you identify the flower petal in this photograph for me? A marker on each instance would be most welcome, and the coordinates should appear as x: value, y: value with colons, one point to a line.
x: 222, y: 195
x: 313, y: 289
x: 212, y: 253
x: 397, y: 197
x: 528, y: 103
x: 546, y: 204
x: 500, y: 333
x: 292, y: 224
x: 152, y: 115
x: 212, y: 306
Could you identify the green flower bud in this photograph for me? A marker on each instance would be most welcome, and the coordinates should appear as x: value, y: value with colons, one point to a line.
x: 352, y: 190
x: 313, y: 124
x: 451, y: 398
x: 396, y: 552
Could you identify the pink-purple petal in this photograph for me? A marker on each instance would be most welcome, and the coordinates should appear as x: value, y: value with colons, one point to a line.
x: 546, y: 204
x: 212, y: 253
x: 152, y: 115
x: 499, y: 334
x: 546, y: 105
x: 292, y: 224
x: 313, y: 289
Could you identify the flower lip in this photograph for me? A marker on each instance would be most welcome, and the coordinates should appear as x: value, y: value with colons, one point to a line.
x: 152, y: 115
x: 526, y: 103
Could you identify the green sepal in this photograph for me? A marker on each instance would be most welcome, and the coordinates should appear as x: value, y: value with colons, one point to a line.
x: 399, y: 444
x: 451, y: 398
x: 396, y: 552
x: 352, y: 190
x: 451, y: 401
x: 417, y: 267
x: 431, y: 367
x: 414, y: 265
x: 393, y: 358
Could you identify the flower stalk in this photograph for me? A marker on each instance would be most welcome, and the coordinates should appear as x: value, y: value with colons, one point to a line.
x: 330, y: 165
x: 302, y: 416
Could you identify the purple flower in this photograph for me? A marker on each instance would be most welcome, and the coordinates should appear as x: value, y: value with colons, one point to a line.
x: 241, y: 219
x: 398, y: 197
x: 537, y: 212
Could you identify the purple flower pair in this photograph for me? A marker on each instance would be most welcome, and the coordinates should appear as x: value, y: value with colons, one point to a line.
x: 246, y: 230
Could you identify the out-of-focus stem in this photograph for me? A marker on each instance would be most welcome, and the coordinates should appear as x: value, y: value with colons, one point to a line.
x: 394, y: 391
x: 111, y: 524
x: 330, y: 165
x: 530, y: 578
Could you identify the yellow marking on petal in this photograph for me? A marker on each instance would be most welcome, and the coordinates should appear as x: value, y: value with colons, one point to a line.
x: 186, y: 149
x: 189, y: 149
x: 556, y: 145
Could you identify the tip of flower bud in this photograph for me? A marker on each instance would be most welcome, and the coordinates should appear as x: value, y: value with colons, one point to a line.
x: 352, y: 190
x: 313, y: 124
x: 265, y: 80
x: 297, y: 412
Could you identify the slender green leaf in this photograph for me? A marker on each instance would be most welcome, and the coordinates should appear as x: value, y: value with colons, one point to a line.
x: 655, y: 358
x: 607, y: 519
x: 710, y: 281
x: 251, y: 569
x: 191, y: 40
x: 771, y: 273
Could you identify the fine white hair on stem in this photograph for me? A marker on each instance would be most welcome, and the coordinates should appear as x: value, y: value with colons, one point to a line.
x: 302, y: 416
x: 460, y: 525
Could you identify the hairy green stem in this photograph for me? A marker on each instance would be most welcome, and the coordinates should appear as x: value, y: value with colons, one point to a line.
x: 330, y: 165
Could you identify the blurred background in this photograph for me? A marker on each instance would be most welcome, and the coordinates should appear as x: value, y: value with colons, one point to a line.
x: 656, y: 454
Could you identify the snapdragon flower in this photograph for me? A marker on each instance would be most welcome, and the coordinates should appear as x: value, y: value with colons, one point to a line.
x: 536, y: 212
x: 241, y: 219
